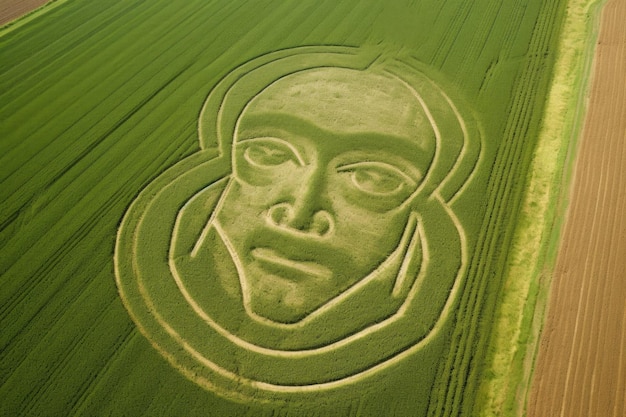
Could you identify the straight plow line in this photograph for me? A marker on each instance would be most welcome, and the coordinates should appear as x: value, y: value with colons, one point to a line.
x: 462, y: 375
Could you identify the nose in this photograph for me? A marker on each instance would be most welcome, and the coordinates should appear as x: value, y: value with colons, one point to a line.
x: 283, y: 215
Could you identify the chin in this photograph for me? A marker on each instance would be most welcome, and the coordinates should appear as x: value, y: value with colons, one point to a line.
x: 274, y: 298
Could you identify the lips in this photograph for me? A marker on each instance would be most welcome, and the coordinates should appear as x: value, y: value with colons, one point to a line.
x: 277, y: 263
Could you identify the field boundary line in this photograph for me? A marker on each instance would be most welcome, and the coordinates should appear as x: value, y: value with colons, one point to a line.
x: 539, y: 226
x: 28, y: 17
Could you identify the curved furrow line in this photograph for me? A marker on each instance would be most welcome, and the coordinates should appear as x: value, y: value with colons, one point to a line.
x: 498, y: 269
x: 88, y: 198
x: 159, y: 133
x: 477, y: 269
x: 455, y: 358
x: 114, y: 297
x: 523, y: 121
x: 24, y: 291
x: 99, y: 215
x: 506, y: 155
x: 545, y: 42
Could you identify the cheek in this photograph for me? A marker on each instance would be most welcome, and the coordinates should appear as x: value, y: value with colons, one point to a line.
x: 253, y: 200
x: 262, y: 198
x: 369, y: 234
x: 366, y: 222
x: 239, y: 216
x: 240, y: 206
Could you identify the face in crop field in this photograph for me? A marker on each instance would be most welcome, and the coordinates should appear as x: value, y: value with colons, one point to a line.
x: 325, y: 164
x: 313, y: 240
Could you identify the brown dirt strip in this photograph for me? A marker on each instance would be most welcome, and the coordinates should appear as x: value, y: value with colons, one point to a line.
x: 581, y: 364
x: 12, y: 9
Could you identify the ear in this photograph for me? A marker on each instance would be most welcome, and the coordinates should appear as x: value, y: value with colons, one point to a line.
x: 413, y: 257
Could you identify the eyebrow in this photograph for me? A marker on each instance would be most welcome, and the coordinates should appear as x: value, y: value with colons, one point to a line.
x: 271, y: 122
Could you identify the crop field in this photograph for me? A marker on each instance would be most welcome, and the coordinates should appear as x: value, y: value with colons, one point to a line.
x: 262, y: 208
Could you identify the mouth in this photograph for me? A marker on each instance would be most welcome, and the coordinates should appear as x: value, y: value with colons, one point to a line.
x: 275, y: 262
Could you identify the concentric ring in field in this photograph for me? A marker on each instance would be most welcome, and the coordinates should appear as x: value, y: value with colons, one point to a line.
x: 198, y: 320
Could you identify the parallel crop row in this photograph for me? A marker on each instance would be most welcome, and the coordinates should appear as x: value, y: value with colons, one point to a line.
x: 462, y: 371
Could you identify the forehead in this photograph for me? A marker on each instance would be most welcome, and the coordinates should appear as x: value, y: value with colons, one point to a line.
x: 347, y: 101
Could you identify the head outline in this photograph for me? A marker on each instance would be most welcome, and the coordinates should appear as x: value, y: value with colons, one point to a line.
x: 217, y: 376
x: 443, y: 179
x: 231, y: 95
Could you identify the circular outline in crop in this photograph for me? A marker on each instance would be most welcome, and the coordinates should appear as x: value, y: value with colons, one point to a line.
x: 162, y: 202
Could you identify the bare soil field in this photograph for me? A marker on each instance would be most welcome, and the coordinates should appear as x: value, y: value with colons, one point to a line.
x: 12, y: 9
x: 581, y: 365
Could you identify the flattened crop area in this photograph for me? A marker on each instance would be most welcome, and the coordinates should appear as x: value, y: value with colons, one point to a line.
x: 581, y: 369
x: 12, y: 9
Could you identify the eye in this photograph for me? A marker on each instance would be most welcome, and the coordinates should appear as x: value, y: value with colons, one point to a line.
x: 269, y: 152
x: 377, y: 178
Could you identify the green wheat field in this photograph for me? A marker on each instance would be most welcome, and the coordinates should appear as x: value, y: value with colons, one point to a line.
x: 168, y: 167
